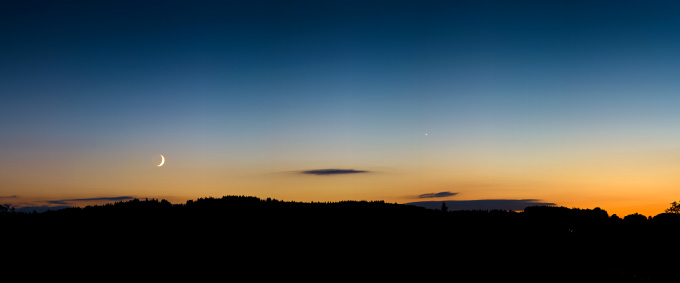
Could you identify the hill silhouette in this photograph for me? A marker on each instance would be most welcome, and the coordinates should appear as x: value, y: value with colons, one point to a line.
x: 352, y: 238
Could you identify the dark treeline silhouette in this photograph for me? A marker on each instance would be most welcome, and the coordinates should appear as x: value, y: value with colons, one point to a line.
x: 353, y: 238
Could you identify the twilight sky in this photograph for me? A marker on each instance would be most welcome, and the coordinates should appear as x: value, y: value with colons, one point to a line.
x: 566, y: 102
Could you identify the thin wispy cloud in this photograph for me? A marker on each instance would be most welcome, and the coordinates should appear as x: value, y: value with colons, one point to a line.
x: 437, y: 195
x: 483, y: 204
x: 40, y: 208
x: 2, y: 197
x: 67, y: 201
x: 321, y: 172
x: 44, y: 205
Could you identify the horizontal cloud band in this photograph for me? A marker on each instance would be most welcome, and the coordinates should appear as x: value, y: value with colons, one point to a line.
x: 66, y: 201
x: 482, y: 204
x: 437, y: 195
x: 332, y: 171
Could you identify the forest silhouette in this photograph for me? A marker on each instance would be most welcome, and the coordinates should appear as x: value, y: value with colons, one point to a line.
x: 353, y: 238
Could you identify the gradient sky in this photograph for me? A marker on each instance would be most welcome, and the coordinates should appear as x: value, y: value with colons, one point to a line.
x: 569, y: 102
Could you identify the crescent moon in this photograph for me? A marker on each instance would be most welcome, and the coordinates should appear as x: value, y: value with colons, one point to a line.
x: 162, y: 161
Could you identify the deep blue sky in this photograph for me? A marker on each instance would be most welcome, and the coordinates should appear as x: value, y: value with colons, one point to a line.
x: 302, y: 85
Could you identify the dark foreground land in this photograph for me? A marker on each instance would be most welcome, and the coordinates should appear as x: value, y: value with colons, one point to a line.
x: 345, y: 240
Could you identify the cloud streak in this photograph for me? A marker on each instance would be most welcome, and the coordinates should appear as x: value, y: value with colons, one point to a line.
x: 483, y: 204
x: 44, y: 205
x: 322, y: 172
x: 40, y: 208
x: 437, y: 195
x: 67, y: 201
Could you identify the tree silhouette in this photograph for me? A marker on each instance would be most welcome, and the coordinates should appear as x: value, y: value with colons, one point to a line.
x: 675, y: 208
x: 586, y: 243
x: 635, y: 219
x: 6, y: 208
